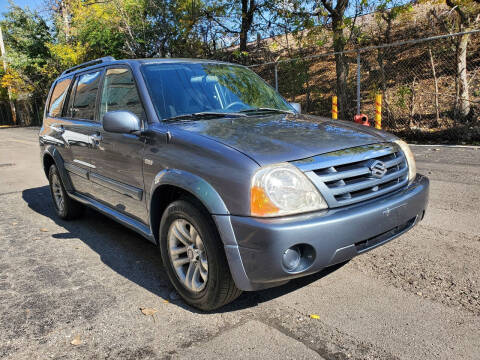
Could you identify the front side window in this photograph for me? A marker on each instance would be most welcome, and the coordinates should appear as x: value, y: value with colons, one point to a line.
x: 84, y: 96
x: 186, y: 88
x: 58, y: 97
x: 120, y: 93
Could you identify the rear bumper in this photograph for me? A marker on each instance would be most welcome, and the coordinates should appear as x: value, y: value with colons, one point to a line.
x: 254, y: 247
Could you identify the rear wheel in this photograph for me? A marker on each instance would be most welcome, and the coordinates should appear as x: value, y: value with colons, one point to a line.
x: 65, y: 207
x: 194, y: 257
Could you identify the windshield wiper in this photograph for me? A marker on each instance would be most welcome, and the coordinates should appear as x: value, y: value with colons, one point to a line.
x: 204, y: 114
x: 265, y: 109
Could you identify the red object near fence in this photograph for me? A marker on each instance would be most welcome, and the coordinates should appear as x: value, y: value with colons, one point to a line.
x: 361, y: 119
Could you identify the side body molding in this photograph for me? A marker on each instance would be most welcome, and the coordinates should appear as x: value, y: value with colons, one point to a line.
x: 193, y: 184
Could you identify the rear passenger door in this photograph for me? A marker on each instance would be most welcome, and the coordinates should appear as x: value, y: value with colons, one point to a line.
x: 118, y: 159
x: 54, y: 124
x: 77, y: 128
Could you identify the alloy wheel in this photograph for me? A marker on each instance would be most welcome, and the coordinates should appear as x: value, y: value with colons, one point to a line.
x: 57, y: 193
x: 187, y: 255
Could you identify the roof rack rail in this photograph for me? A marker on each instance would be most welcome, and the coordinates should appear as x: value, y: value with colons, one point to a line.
x: 89, y: 63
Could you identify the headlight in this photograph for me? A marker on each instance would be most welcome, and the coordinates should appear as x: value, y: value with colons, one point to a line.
x: 282, y: 189
x: 412, y: 168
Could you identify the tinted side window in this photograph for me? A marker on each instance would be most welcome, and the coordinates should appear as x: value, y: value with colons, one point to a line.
x: 68, y: 110
x: 58, y: 97
x: 120, y: 93
x: 85, y: 96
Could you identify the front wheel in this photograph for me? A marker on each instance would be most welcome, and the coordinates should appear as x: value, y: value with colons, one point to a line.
x: 194, y: 257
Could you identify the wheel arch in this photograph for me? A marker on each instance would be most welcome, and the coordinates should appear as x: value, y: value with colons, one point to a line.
x: 52, y: 157
x: 170, y: 185
x: 48, y: 161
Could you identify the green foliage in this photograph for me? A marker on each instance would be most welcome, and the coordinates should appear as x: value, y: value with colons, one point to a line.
x: 239, y: 56
x: 294, y: 75
x: 26, y: 36
x: 403, y: 93
x: 81, y: 30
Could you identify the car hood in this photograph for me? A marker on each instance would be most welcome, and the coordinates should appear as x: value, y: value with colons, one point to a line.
x: 280, y: 137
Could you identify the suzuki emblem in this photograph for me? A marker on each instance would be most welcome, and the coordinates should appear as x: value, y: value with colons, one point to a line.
x: 377, y: 168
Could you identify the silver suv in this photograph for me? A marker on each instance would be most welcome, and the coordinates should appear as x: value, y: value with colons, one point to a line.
x: 239, y: 190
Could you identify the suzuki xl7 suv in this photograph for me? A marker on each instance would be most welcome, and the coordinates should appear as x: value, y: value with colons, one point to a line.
x: 239, y: 190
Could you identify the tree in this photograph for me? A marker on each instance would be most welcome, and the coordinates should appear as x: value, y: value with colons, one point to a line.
x: 61, y: 11
x: 339, y: 41
x: 130, y: 28
x: 463, y: 16
x: 240, y: 18
x: 386, y: 13
x: 310, y: 14
x: 248, y: 11
x: 26, y: 36
x: 467, y: 14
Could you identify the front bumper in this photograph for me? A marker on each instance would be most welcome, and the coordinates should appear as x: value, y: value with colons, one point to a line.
x: 255, y: 246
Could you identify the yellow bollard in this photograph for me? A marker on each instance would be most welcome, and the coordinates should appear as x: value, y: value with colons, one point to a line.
x: 334, y: 108
x: 378, y: 111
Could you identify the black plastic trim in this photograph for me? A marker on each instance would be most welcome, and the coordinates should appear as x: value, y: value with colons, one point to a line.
x: 76, y: 170
x: 117, y: 186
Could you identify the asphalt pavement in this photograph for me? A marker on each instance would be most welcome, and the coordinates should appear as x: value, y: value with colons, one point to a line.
x: 75, y: 290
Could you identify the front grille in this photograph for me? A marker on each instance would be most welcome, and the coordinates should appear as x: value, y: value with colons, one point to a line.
x: 344, y: 177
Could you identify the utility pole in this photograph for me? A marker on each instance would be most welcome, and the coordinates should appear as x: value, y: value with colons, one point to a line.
x: 4, y: 57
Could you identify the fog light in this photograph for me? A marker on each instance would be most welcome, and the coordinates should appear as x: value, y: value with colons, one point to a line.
x: 291, y: 258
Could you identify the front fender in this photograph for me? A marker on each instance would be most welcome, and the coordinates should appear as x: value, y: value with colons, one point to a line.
x: 195, y: 185
x: 210, y: 198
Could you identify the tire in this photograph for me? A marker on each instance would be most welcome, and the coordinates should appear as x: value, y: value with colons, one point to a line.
x: 176, y: 225
x: 65, y: 207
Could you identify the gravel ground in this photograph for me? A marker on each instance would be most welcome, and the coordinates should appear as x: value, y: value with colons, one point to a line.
x: 75, y: 289
x: 445, y: 265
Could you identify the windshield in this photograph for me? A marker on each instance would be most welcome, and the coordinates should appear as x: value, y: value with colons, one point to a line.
x: 189, y: 88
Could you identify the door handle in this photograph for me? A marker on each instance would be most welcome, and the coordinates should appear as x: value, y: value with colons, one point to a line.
x: 59, y: 129
x: 97, y: 138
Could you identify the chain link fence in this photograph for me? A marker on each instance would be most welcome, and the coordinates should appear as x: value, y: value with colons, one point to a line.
x: 422, y: 83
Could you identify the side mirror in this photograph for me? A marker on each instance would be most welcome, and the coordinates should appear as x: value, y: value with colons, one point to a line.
x: 123, y: 122
x: 296, y: 106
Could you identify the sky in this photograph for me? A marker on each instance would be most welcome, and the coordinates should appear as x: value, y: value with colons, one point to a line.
x: 32, y: 4
x: 38, y: 4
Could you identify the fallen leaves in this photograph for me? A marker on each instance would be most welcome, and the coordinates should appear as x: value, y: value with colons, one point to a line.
x: 314, y: 316
x: 148, y: 311
x: 43, y: 229
x: 76, y: 341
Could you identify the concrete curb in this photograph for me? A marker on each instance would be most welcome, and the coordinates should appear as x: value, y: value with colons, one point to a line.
x: 475, y: 147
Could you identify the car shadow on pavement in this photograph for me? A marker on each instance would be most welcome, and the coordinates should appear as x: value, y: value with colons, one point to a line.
x: 253, y: 298
x: 137, y: 259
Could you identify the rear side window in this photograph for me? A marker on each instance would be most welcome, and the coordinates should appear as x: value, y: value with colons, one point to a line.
x: 120, y: 93
x: 58, y: 97
x: 84, y: 96
x: 68, y: 110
